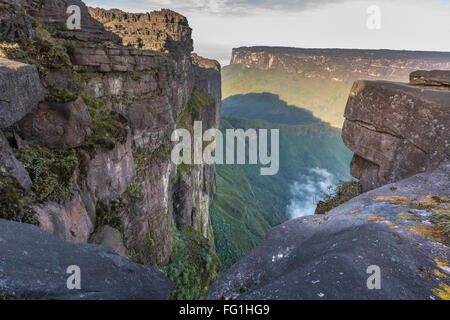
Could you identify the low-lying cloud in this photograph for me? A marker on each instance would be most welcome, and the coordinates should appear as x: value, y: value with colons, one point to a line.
x: 307, y: 192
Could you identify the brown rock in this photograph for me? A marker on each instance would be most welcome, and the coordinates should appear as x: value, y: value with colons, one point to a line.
x: 110, y: 238
x: 396, y: 130
x: 57, y: 125
x: 431, y: 78
x: 9, y: 162
x: 110, y: 171
x: 70, y: 222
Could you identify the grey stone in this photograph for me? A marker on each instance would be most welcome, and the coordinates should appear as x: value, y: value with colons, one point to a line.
x: 328, y: 257
x: 33, y: 265
x: 20, y: 91
x: 110, y: 238
x: 9, y: 162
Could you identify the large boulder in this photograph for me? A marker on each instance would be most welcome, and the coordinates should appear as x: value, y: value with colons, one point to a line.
x: 20, y: 91
x: 401, y: 228
x: 396, y: 130
x: 57, y: 125
x: 34, y: 264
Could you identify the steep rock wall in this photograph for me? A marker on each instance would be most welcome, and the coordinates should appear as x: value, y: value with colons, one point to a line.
x: 341, y: 64
x: 126, y: 102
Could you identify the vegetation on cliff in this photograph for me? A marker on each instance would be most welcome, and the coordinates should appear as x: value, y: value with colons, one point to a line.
x: 343, y: 192
x: 247, y: 205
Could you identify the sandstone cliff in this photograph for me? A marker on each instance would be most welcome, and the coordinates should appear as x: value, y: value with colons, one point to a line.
x: 341, y: 64
x: 93, y: 131
x: 397, y: 130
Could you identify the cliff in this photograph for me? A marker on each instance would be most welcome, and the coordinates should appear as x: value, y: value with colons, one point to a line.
x: 93, y: 134
x: 341, y: 64
x: 400, y: 226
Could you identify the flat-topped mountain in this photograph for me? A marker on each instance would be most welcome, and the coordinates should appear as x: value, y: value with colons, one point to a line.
x: 341, y: 64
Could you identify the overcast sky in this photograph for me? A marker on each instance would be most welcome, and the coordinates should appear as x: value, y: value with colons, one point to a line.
x: 220, y: 25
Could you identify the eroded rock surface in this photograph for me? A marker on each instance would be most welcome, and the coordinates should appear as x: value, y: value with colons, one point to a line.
x: 396, y: 130
x: 20, y: 91
x: 34, y: 266
x: 396, y: 228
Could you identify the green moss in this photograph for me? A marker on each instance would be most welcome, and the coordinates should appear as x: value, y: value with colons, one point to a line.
x: 194, y: 265
x: 107, y: 214
x: 134, y: 190
x: 162, y: 153
x: 50, y: 170
x: 440, y: 216
x: 60, y: 95
x: 344, y: 192
x: 43, y: 51
x: 198, y: 100
x: 141, y: 158
x: 108, y: 127
x: 14, y: 201
x: 181, y: 172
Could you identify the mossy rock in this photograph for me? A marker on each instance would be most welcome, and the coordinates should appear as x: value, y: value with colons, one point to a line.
x: 344, y: 192
x: 51, y: 171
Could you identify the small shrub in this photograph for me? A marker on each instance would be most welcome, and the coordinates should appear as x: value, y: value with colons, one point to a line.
x: 60, y: 95
x: 14, y: 202
x: 134, y: 191
x: 344, y: 192
x: 107, y: 126
x: 194, y: 264
x: 50, y: 170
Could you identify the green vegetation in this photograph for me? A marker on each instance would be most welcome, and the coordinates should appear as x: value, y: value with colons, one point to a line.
x: 107, y: 213
x: 50, y: 170
x: 134, y: 190
x: 194, y: 264
x: 14, y: 202
x: 6, y: 296
x: 44, y: 51
x: 326, y: 98
x: 247, y: 205
x: 60, y: 95
x: 107, y: 126
x: 345, y: 191
x: 198, y: 100
x: 141, y: 156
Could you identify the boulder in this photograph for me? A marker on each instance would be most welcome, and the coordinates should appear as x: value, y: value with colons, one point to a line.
x: 9, y: 163
x: 396, y: 130
x: 110, y: 238
x: 57, y: 125
x: 34, y: 265
x: 431, y: 78
x: 70, y: 222
x: 20, y: 91
x: 399, y: 228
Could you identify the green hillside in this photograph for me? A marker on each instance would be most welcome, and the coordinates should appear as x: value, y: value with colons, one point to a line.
x: 247, y: 205
x: 325, y: 98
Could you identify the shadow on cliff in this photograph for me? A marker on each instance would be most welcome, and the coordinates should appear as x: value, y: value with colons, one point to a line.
x: 266, y: 106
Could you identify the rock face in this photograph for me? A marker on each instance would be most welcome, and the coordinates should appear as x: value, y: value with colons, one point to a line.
x: 163, y: 30
x: 9, y: 163
x: 341, y: 64
x: 395, y: 227
x: 34, y: 266
x: 16, y: 24
x: 396, y: 130
x: 20, y: 91
x: 431, y: 78
x: 57, y: 125
x: 123, y: 105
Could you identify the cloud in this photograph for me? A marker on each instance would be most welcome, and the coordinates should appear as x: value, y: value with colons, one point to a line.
x: 307, y: 191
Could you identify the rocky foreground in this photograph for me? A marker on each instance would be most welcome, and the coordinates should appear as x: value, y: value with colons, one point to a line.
x: 327, y: 257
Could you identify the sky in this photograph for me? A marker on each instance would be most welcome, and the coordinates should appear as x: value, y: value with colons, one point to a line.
x: 220, y: 25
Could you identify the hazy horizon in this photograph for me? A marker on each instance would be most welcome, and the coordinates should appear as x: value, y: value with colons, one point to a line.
x: 220, y: 25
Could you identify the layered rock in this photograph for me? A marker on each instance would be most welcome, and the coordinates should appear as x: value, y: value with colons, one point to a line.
x: 430, y: 78
x: 34, y: 265
x: 20, y: 91
x: 163, y: 30
x: 341, y: 64
x: 396, y: 130
x: 114, y: 109
x: 399, y: 228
